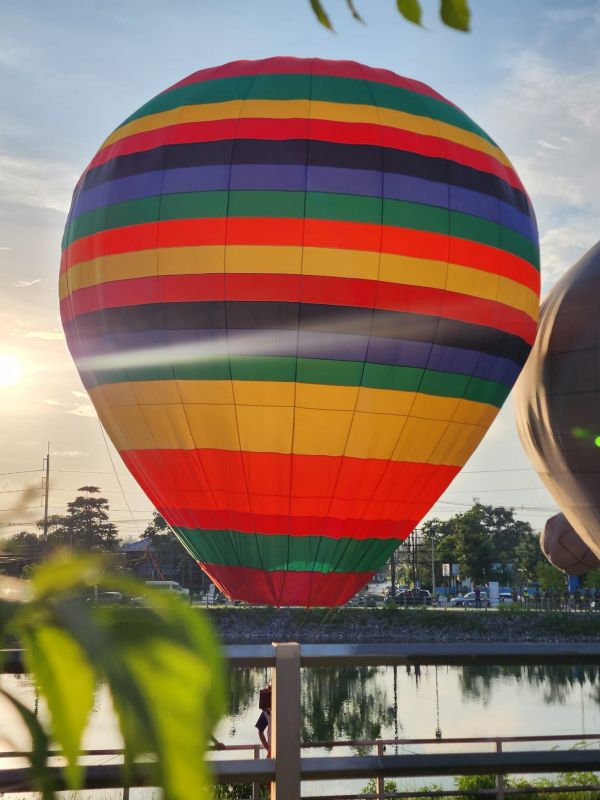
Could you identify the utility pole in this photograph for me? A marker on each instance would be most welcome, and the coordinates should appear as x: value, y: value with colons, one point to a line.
x: 432, y: 566
x: 393, y: 573
x: 47, y: 487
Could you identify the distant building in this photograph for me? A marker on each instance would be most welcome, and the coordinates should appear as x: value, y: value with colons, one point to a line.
x: 169, y: 562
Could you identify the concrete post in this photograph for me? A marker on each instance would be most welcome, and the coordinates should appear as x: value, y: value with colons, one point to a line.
x: 286, y: 722
x: 256, y: 786
x: 499, y: 778
x: 380, y: 778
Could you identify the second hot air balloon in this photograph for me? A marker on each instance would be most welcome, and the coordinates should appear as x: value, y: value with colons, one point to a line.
x: 298, y: 292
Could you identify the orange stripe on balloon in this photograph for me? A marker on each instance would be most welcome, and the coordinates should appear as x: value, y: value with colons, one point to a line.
x: 285, y: 232
x: 277, y: 474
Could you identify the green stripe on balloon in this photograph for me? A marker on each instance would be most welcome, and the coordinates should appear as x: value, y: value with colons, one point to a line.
x: 295, y: 553
x: 314, y: 87
x: 314, y: 371
x: 298, y: 205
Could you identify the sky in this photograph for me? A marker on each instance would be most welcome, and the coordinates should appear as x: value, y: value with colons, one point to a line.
x: 72, y: 70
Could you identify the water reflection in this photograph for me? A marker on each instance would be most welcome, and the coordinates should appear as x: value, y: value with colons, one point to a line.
x: 414, y: 702
x: 555, y: 682
x: 344, y: 704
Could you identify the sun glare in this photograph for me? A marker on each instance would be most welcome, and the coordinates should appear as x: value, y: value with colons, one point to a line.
x: 10, y: 370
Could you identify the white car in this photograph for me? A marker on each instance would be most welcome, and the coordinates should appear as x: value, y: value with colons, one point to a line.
x: 468, y: 600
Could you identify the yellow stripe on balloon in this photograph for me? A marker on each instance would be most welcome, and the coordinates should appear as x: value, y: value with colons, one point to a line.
x: 305, y: 395
x: 248, y: 259
x: 280, y: 429
x: 305, y: 109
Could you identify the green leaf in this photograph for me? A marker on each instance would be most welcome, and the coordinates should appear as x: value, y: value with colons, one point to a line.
x: 161, y: 663
x: 456, y: 14
x: 410, y: 10
x: 67, y: 681
x: 353, y: 11
x: 320, y: 14
x: 40, y: 745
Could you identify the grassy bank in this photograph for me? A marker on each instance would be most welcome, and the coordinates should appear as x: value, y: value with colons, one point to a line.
x: 238, y: 625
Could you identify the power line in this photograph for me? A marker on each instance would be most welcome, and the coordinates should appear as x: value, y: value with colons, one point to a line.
x: 21, y: 471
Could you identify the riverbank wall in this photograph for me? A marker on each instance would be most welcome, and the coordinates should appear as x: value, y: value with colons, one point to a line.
x: 251, y: 625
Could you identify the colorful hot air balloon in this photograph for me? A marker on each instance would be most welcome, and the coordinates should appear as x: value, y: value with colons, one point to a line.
x: 564, y: 549
x: 558, y: 398
x: 298, y: 291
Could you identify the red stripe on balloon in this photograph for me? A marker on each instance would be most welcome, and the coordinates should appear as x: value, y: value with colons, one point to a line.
x: 313, y: 487
x: 358, y: 133
x: 285, y: 525
x: 308, y: 66
x: 314, y: 289
x: 283, y: 232
x: 286, y: 588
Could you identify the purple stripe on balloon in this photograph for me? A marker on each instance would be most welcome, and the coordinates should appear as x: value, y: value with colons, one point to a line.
x: 188, y: 346
x: 282, y: 177
x: 285, y: 177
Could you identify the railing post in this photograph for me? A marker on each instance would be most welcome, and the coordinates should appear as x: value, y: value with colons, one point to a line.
x: 286, y: 722
x: 499, y: 778
x: 256, y: 786
x: 380, y: 778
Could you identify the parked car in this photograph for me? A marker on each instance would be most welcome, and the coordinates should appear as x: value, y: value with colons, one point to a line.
x: 413, y: 597
x: 372, y: 600
x: 468, y: 600
x: 169, y: 586
x: 506, y: 598
x: 110, y: 599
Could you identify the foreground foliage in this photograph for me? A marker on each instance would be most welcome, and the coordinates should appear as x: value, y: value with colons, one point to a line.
x: 475, y: 783
x: 453, y: 13
x: 160, y: 662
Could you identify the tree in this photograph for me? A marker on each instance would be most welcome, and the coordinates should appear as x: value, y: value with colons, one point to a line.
x: 474, y: 550
x: 85, y: 526
x: 528, y: 555
x: 487, y: 542
x: 550, y: 577
x: 20, y: 552
x: 168, y: 551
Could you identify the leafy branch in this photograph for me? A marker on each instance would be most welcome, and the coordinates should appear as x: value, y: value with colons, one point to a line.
x: 160, y: 662
x: 453, y: 13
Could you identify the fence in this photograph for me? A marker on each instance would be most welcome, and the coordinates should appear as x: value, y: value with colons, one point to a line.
x: 288, y: 767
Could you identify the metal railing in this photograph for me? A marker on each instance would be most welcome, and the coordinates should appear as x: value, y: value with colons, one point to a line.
x: 289, y: 767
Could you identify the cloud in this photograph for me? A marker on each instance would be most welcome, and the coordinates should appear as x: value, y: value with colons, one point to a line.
x: 5, y: 248
x: 562, y: 246
x: 25, y: 284
x: 84, y: 410
x: 543, y: 117
x: 36, y: 183
x: 48, y: 401
x: 77, y: 393
x: 68, y: 453
x: 46, y: 336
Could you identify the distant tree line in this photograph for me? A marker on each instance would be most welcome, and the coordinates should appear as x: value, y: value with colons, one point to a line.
x: 488, y: 543
x: 85, y: 527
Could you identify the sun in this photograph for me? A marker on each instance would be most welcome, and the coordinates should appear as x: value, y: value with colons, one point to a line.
x: 10, y: 370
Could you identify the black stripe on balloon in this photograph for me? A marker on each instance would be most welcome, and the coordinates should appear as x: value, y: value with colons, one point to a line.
x: 323, y: 154
x: 272, y: 316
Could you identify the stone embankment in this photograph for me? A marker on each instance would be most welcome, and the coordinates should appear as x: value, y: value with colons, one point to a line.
x: 247, y: 625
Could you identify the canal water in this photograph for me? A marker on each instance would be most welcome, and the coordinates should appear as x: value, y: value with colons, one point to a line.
x: 386, y: 702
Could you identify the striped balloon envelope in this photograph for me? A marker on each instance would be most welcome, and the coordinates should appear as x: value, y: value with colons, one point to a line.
x: 298, y: 292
